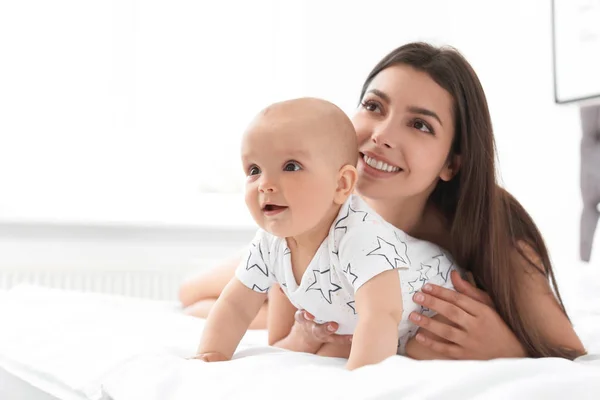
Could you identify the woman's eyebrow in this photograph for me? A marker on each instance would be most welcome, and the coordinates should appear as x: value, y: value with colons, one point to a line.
x: 424, y: 111
x: 381, y: 94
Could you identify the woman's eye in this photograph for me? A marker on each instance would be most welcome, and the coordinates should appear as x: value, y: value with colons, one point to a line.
x: 371, y: 106
x: 254, y: 170
x: 422, y: 126
x: 292, y: 166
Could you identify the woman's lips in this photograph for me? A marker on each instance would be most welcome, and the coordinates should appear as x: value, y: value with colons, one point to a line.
x: 374, y: 172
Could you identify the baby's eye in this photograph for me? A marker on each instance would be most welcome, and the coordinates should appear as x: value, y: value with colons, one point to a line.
x: 253, y: 170
x: 292, y: 166
x: 422, y: 126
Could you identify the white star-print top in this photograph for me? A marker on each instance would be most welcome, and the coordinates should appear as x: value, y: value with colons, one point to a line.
x: 360, y: 245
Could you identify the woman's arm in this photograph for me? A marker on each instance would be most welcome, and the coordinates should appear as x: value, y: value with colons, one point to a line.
x: 541, y: 305
x: 209, y: 284
x: 474, y: 330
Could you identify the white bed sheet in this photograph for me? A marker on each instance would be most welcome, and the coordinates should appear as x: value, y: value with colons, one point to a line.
x: 91, y: 345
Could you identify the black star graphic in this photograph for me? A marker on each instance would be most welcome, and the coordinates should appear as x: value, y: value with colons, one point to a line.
x: 397, y: 235
x: 348, y: 271
x: 388, y: 250
x: 351, y: 305
x: 250, y: 265
x: 443, y: 270
x: 256, y: 288
x: 342, y: 223
x: 329, y: 291
x: 424, y: 270
x: 287, y: 251
x: 414, y: 288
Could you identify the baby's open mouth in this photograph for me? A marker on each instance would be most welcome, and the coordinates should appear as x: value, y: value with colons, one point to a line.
x: 273, y: 208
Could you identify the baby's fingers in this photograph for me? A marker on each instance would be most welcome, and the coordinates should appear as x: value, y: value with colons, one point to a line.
x: 210, y: 357
x: 326, y: 333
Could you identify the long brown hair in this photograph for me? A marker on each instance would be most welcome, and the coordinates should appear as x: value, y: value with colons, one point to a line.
x: 487, y: 224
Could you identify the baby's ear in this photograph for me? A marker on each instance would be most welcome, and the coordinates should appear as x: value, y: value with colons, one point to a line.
x: 347, y: 178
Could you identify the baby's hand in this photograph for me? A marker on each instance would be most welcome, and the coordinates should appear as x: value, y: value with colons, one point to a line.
x: 210, y: 357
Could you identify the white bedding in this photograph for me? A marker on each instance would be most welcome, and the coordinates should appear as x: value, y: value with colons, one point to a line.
x: 90, y: 345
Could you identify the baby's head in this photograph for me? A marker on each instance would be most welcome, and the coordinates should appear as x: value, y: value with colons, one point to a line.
x: 299, y: 157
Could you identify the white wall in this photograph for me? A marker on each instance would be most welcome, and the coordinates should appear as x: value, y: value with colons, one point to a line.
x: 160, y: 137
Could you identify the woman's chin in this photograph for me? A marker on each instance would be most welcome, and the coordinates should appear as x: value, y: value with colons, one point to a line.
x: 372, y: 189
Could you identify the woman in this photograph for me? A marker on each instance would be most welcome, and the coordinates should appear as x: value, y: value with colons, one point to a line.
x: 423, y: 109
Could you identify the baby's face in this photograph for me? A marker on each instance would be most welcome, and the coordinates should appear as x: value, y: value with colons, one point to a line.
x: 291, y: 183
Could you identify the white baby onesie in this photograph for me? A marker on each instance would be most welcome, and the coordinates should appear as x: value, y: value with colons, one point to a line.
x: 360, y: 245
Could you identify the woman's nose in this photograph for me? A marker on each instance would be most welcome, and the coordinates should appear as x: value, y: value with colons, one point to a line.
x: 382, y: 138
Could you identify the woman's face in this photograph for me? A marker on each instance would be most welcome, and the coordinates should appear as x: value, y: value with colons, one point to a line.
x: 405, y: 129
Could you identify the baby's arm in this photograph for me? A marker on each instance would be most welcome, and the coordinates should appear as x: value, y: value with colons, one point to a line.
x: 228, y: 321
x: 379, y: 307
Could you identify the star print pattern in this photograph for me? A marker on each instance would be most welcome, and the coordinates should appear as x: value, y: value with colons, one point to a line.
x: 389, y: 252
x: 425, y: 270
x: 414, y: 286
x: 323, y: 286
x: 351, y: 277
x: 253, y: 262
x: 444, y: 266
x: 352, y: 216
x: 327, y: 288
x: 256, y: 288
x: 351, y: 305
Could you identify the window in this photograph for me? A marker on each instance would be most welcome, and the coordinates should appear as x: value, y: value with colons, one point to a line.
x: 131, y: 111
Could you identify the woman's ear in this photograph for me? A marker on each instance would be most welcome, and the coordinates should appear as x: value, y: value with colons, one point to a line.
x: 347, y: 178
x: 451, y: 168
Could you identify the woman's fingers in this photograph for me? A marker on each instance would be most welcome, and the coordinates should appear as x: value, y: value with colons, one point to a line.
x: 441, y: 329
x: 448, y: 297
x: 449, y: 350
x: 444, y: 303
x: 467, y: 288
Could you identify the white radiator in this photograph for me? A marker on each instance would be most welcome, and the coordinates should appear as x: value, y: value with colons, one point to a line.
x: 157, y: 285
x: 148, y: 262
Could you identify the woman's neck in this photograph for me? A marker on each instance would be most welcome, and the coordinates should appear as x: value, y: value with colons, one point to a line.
x: 414, y: 216
x: 405, y: 214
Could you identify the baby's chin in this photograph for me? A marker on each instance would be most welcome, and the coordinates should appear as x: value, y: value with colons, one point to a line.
x: 278, y: 229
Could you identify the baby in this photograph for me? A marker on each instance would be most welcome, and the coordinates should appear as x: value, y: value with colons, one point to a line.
x: 331, y: 254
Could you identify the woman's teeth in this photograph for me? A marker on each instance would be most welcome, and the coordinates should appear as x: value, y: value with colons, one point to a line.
x: 380, y: 165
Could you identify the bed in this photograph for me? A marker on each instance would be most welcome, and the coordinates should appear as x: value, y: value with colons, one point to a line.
x: 57, y: 344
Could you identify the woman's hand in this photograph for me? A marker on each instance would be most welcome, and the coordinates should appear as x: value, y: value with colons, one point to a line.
x: 472, y: 329
x: 307, y: 336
